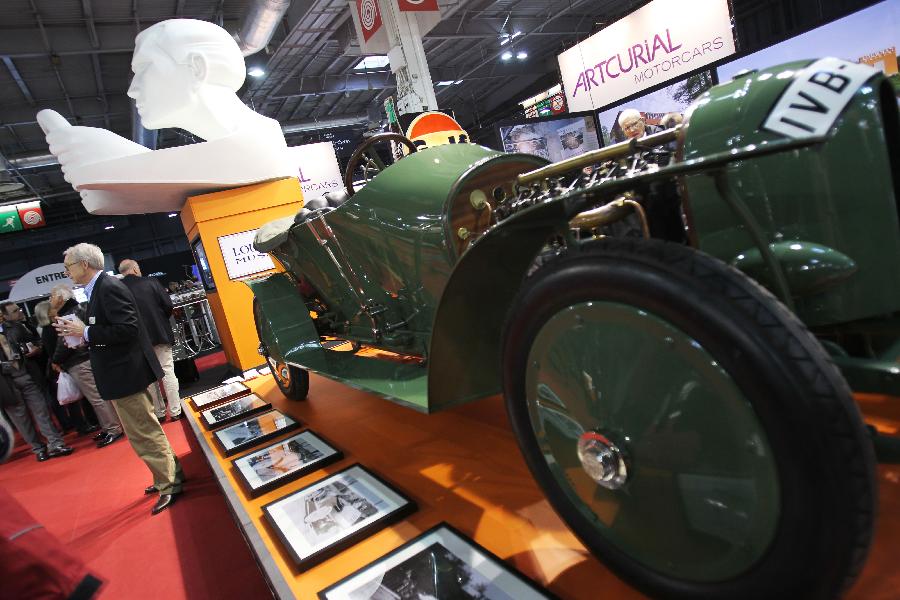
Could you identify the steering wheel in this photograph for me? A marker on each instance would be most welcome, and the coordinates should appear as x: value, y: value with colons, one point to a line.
x: 371, y: 163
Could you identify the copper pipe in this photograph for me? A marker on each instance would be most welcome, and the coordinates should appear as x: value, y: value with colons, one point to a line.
x: 610, y: 213
x: 594, y: 156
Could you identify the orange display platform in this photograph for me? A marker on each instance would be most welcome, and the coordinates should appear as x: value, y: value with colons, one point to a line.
x: 462, y: 466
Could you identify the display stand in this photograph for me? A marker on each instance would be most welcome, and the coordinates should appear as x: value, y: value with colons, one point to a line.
x: 220, y: 226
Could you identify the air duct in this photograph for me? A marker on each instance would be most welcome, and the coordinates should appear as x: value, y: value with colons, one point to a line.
x: 259, y: 23
x: 360, y: 119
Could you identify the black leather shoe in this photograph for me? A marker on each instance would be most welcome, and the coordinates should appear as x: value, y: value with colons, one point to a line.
x: 177, y: 417
x: 164, y: 502
x: 88, y: 429
x: 99, y: 436
x: 61, y: 451
x: 42, y: 455
x: 108, y: 439
x: 150, y: 490
x: 161, y: 419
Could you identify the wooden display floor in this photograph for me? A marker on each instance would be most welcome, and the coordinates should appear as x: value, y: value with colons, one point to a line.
x: 461, y: 466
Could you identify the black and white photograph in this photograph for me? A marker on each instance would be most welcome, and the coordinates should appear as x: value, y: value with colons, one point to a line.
x: 234, y: 411
x: 284, y: 461
x: 240, y: 436
x: 440, y: 564
x: 327, y: 516
x: 219, y: 394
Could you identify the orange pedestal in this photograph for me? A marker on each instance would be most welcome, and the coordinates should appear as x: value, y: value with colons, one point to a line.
x: 211, y: 219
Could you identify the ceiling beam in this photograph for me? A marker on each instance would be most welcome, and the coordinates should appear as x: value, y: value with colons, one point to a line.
x: 335, y: 84
x: 17, y: 77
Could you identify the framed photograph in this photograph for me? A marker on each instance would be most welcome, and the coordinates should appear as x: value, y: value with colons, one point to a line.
x: 284, y: 461
x: 235, y: 410
x: 229, y: 391
x: 248, y: 433
x: 440, y: 563
x: 323, y: 518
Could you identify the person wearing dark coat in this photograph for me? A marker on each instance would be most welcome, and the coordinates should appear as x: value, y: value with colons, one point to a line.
x: 124, y: 365
x: 77, y: 363
x: 19, y: 394
x: 155, y: 307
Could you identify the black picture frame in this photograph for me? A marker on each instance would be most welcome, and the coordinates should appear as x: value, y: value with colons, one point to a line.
x: 544, y: 128
x: 220, y: 394
x: 309, y: 536
x: 441, y: 560
x: 255, y: 484
x: 233, y: 411
x: 255, y: 430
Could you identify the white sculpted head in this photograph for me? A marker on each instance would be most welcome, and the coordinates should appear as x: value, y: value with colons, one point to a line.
x: 182, y: 67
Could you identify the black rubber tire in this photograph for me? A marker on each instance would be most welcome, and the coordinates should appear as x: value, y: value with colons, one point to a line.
x: 823, y: 455
x: 296, y: 386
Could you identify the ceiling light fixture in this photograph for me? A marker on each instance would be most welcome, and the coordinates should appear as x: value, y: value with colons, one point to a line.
x: 256, y: 72
x: 173, y: 215
x: 444, y: 83
x: 506, y: 55
x: 521, y: 55
x: 110, y: 227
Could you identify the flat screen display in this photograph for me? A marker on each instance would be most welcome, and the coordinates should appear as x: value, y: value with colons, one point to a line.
x: 203, y: 265
x: 554, y: 138
x: 869, y: 36
x: 655, y: 107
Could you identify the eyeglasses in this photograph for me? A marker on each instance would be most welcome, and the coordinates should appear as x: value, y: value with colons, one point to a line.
x: 67, y: 265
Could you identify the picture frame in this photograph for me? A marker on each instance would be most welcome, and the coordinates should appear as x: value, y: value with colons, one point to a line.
x: 222, y: 393
x: 327, y: 516
x: 250, y: 432
x: 284, y: 461
x: 440, y: 563
x: 234, y: 410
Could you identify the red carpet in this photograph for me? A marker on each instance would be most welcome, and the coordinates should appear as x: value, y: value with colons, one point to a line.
x: 209, y: 361
x: 93, y: 502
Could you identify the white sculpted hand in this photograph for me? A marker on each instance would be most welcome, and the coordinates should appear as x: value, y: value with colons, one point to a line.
x: 76, y: 146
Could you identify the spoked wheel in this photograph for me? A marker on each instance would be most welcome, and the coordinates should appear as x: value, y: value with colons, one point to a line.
x: 687, y: 426
x: 292, y: 381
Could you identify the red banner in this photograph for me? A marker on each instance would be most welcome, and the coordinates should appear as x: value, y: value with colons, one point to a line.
x: 418, y: 5
x: 369, y: 17
x: 31, y: 215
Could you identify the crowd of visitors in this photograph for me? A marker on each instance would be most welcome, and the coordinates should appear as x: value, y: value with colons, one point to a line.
x: 103, y: 367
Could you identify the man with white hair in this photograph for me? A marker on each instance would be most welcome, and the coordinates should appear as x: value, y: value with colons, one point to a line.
x: 124, y: 365
x: 77, y: 363
x: 155, y: 307
x: 632, y: 123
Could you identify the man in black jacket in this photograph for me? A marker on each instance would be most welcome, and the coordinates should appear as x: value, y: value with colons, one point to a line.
x: 124, y: 365
x: 18, y: 389
x: 155, y: 307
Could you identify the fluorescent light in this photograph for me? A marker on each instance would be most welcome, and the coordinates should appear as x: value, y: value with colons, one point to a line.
x: 173, y: 215
x: 256, y: 72
x: 372, y: 62
x: 110, y: 227
x: 444, y: 83
x: 516, y: 34
x: 506, y: 55
x: 457, y: 82
x: 504, y: 40
x: 521, y: 55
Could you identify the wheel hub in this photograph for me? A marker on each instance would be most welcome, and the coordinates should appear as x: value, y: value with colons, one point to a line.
x: 602, y: 460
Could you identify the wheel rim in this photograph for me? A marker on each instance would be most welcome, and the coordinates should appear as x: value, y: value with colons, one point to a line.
x: 691, y: 485
x: 281, y: 372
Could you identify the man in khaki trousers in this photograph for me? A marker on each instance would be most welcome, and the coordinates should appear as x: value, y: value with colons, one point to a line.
x: 124, y: 364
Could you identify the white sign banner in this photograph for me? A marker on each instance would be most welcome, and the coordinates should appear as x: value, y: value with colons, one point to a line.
x: 38, y: 282
x: 317, y: 169
x: 241, y: 258
x: 657, y: 43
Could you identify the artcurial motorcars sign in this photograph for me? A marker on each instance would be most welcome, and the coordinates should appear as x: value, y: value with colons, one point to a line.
x: 663, y: 40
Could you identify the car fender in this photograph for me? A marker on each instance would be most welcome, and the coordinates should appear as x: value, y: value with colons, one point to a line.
x: 464, y: 358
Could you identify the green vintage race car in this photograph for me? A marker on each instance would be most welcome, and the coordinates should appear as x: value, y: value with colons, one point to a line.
x: 664, y: 318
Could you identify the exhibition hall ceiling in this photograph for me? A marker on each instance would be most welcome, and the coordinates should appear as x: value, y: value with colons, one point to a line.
x: 74, y: 56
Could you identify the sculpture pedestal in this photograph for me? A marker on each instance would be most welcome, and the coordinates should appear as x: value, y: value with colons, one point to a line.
x: 220, y: 227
